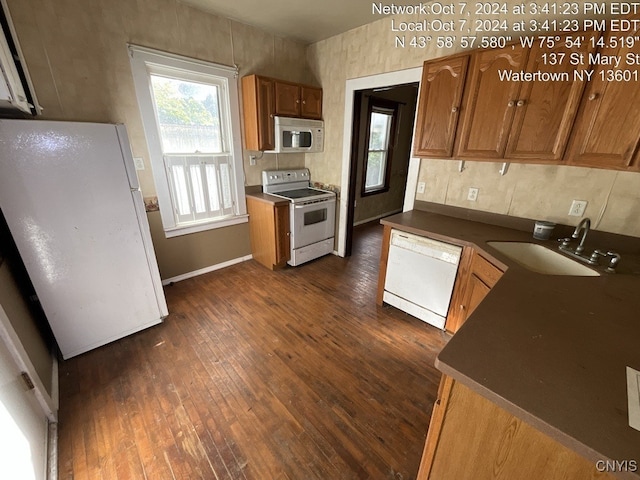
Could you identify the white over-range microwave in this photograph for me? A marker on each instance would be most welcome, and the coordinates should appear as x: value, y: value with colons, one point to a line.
x: 298, y: 135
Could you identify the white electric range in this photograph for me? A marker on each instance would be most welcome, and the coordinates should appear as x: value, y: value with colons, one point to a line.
x: 312, y: 212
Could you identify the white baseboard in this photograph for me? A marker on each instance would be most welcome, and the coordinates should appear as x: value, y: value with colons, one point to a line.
x: 377, y: 217
x: 211, y: 268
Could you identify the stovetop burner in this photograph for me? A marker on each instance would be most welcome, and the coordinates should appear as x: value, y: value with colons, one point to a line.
x: 294, y: 185
x: 301, y: 193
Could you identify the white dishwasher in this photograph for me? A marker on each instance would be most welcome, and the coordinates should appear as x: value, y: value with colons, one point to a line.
x: 420, y: 276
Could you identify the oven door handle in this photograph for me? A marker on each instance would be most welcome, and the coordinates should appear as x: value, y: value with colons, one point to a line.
x: 310, y: 205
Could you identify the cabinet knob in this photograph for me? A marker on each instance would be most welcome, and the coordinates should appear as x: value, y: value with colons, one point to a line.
x: 593, y: 96
x: 461, y: 307
x: 520, y: 103
x: 511, y: 103
x: 454, y: 109
x: 304, y: 102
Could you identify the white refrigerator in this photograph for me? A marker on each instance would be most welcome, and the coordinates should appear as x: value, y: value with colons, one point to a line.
x: 71, y: 198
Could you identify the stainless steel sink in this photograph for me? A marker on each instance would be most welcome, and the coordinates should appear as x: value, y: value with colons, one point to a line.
x: 540, y: 259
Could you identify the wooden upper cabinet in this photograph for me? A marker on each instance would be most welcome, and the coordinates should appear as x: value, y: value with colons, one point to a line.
x: 607, y: 129
x: 287, y: 99
x: 258, y: 111
x: 295, y: 100
x: 311, y: 105
x: 440, y: 96
x: 546, y: 109
x: 264, y: 97
x: 489, y: 103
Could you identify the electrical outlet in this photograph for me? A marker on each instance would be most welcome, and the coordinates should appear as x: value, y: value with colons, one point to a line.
x: 139, y: 163
x: 421, y: 186
x: 472, y: 196
x: 577, y: 208
x: 252, y: 160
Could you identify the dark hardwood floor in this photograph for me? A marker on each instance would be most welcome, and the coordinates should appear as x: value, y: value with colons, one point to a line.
x: 294, y: 374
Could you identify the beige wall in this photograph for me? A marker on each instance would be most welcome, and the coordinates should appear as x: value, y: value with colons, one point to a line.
x: 527, y: 190
x: 188, y: 253
x: 77, y: 57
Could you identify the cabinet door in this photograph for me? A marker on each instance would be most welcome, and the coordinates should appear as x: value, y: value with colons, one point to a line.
x: 281, y: 217
x: 440, y: 96
x: 489, y: 103
x: 435, y: 427
x: 476, y: 293
x: 607, y: 131
x: 258, y: 110
x: 287, y: 99
x: 266, y: 110
x: 12, y: 92
x: 311, y: 102
x: 545, y: 109
x: 476, y: 277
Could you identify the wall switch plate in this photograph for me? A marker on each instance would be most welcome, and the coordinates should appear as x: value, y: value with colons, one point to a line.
x: 139, y: 163
x: 421, y: 187
x: 577, y: 208
x: 252, y: 160
x: 472, y: 196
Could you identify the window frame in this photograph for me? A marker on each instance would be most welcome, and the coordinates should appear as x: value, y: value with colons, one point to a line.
x: 387, y: 105
x: 146, y: 61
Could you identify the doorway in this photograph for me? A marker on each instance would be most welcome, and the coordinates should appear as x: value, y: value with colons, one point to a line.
x: 355, y: 100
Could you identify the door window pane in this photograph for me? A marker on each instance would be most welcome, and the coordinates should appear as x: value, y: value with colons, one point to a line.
x: 381, y: 121
x: 379, y: 134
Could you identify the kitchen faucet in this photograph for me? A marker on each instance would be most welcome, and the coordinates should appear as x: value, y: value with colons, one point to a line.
x: 585, y: 225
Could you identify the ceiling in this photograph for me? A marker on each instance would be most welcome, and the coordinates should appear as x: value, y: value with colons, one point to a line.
x: 306, y: 20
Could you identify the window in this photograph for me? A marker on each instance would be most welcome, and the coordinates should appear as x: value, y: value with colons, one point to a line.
x: 190, y: 114
x: 381, y: 131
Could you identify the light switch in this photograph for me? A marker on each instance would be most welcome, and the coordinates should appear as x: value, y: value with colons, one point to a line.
x: 421, y: 187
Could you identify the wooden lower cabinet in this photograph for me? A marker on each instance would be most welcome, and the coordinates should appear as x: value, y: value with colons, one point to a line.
x: 471, y: 438
x: 476, y: 277
x: 269, y: 231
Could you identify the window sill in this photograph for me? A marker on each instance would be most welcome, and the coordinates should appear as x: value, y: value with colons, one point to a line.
x: 206, y: 225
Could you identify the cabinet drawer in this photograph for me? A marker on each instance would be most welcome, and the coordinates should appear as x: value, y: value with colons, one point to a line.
x: 485, y: 270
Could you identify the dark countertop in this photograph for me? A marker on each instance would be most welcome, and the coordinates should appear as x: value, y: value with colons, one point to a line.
x: 551, y: 350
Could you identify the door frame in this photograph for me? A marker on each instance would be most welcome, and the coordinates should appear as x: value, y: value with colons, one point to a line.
x: 389, y: 79
x: 49, y: 403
